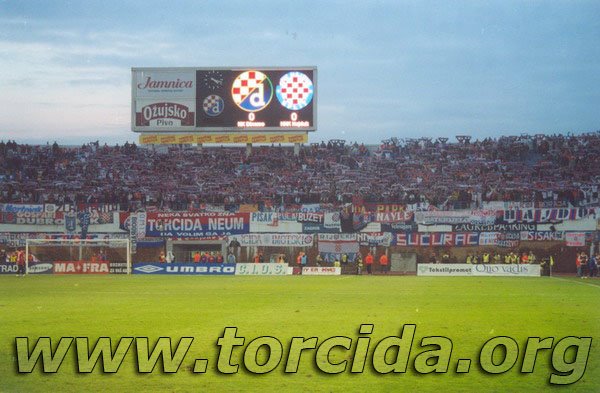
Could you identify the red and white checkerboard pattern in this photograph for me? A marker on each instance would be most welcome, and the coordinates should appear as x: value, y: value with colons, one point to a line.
x: 210, y: 101
x: 245, y: 84
x: 213, y: 105
x: 295, y: 90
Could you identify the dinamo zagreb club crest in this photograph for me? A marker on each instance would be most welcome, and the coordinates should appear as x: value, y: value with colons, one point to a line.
x: 252, y: 91
x: 213, y: 105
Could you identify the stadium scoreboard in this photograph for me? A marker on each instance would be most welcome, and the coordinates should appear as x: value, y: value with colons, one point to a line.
x: 205, y: 100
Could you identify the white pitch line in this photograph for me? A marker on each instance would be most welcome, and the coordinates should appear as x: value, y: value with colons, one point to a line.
x: 576, y: 282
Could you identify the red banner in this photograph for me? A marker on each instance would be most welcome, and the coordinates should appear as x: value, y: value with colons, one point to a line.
x: 81, y: 267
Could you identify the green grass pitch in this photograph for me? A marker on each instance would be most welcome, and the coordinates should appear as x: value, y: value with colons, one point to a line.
x: 467, y: 310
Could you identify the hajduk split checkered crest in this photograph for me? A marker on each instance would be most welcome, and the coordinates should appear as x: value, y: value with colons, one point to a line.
x: 295, y: 90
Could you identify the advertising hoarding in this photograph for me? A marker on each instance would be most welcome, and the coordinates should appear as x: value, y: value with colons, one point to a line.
x: 480, y: 270
x: 261, y: 269
x: 197, y: 269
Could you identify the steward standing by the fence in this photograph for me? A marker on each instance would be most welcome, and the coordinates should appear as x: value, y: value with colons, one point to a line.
x: 384, y: 263
x: 369, y: 262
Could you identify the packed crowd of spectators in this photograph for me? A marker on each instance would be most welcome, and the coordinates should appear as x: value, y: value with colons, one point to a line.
x: 447, y: 175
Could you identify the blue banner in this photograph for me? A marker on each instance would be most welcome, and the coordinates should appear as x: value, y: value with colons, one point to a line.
x: 211, y: 269
x: 317, y: 228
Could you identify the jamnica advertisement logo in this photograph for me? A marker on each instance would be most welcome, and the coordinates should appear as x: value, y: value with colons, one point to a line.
x: 165, y: 114
x: 163, y: 86
x: 149, y: 83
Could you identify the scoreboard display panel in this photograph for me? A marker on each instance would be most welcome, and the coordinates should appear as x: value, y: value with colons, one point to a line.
x: 224, y: 99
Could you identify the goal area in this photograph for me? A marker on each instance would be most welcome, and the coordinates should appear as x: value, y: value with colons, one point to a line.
x: 78, y: 256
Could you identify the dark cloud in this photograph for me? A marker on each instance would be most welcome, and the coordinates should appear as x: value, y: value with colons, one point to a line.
x: 385, y: 67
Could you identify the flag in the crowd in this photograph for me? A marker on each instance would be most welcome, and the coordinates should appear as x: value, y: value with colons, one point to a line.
x: 70, y: 223
x: 84, y: 223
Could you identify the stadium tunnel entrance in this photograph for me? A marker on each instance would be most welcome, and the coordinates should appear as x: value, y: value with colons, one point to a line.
x: 184, y: 250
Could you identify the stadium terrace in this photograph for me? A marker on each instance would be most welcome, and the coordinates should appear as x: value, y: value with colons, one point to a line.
x: 511, y: 200
x: 551, y: 171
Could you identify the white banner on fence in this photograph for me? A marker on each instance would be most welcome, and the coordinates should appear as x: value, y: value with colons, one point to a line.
x: 456, y: 217
x: 553, y: 215
x: 276, y: 240
x: 332, y: 220
x: 575, y: 239
x: 339, y: 243
x: 462, y: 269
x: 274, y: 223
x: 334, y: 237
x: 321, y: 271
x: 542, y: 235
x: 374, y: 238
x: 261, y: 269
x: 488, y: 238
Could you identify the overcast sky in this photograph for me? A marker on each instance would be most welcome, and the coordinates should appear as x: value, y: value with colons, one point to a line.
x: 386, y: 68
